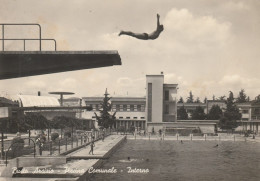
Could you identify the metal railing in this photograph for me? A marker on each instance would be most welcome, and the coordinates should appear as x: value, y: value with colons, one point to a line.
x: 60, y: 146
x: 3, y: 39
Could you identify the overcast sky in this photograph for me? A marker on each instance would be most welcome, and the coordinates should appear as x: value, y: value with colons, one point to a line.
x: 207, y: 46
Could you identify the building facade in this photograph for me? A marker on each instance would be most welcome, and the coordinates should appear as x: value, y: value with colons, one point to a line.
x: 130, y: 111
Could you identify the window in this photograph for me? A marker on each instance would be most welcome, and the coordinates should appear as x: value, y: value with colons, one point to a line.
x: 124, y: 107
x: 127, y: 117
x: 120, y: 117
x: 166, y: 95
x: 138, y: 107
x: 245, y: 111
x: 149, y: 102
x: 142, y: 117
x: 135, y: 117
x: 117, y: 107
x: 131, y: 107
x: 94, y: 107
x: 166, y: 109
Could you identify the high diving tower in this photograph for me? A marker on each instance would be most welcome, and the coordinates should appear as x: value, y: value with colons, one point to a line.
x: 14, y: 64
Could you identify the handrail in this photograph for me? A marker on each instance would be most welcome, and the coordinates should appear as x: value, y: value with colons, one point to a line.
x: 24, y: 24
x: 29, y: 39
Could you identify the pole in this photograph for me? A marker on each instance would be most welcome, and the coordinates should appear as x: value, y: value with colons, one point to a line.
x: 81, y: 140
x: 29, y: 137
x: 50, y: 147
x: 3, y: 37
x: 2, y: 145
x: 59, y: 146
x: 66, y: 145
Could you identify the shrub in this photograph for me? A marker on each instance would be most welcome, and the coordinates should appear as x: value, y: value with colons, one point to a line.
x: 67, y: 134
x: 54, y: 136
x: 17, y: 145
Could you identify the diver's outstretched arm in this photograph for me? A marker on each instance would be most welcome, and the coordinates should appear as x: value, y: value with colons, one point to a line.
x: 158, y: 20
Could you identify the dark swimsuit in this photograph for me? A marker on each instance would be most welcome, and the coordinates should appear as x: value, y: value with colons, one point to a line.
x: 145, y: 36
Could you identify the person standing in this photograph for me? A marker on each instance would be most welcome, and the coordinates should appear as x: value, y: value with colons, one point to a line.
x: 92, y: 145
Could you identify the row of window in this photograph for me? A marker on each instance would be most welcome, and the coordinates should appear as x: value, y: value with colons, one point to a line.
x: 118, y: 107
x: 121, y: 117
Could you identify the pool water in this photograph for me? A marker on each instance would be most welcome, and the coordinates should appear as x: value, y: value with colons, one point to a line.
x: 192, y: 160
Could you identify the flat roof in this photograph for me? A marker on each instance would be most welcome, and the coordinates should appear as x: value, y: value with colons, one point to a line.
x: 14, y: 64
x: 64, y: 93
x: 170, y: 85
x: 155, y: 75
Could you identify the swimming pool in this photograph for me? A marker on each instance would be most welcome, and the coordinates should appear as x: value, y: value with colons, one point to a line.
x: 192, y: 160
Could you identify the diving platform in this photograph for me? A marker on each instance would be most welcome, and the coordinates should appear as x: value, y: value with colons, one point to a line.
x: 14, y: 64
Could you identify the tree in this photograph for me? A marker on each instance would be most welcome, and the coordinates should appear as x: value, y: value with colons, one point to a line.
x: 59, y: 122
x: 190, y: 99
x: 182, y: 113
x: 222, y: 98
x: 197, y: 100
x: 215, y: 113
x: 248, y: 99
x: 72, y: 123
x: 181, y: 100
x: 213, y: 97
x: 231, y: 114
x: 257, y: 98
x: 105, y: 120
x: 36, y: 121
x: 198, y: 114
x: 241, y: 97
x: 205, y: 100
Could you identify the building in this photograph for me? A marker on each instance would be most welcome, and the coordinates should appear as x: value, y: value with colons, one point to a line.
x: 161, y: 102
x: 250, y: 112
x: 130, y: 111
x: 190, y: 107
x: 47, y: 106
x: 157, y: 110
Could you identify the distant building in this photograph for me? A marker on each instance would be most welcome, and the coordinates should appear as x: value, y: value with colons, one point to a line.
x: 47, y: 103
x: 157, y: 110
x: 250, y: 116
x: 5, y: 107
x: 130, y: 111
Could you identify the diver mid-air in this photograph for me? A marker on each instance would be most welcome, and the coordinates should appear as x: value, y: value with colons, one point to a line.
x: 145, y: 36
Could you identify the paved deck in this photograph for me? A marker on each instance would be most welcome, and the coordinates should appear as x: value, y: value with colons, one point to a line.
x: 100, y: 150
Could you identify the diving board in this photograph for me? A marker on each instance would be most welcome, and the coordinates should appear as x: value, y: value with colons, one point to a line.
x: 14, y: 64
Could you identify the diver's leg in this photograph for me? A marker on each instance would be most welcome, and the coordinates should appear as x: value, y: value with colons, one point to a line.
x: 126, y: 33
x: 136, y: 35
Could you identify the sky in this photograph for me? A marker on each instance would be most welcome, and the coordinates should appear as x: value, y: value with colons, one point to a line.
x: 209, y: 47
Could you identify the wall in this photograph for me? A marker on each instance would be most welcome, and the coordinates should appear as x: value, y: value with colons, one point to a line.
x: 157, y: 96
